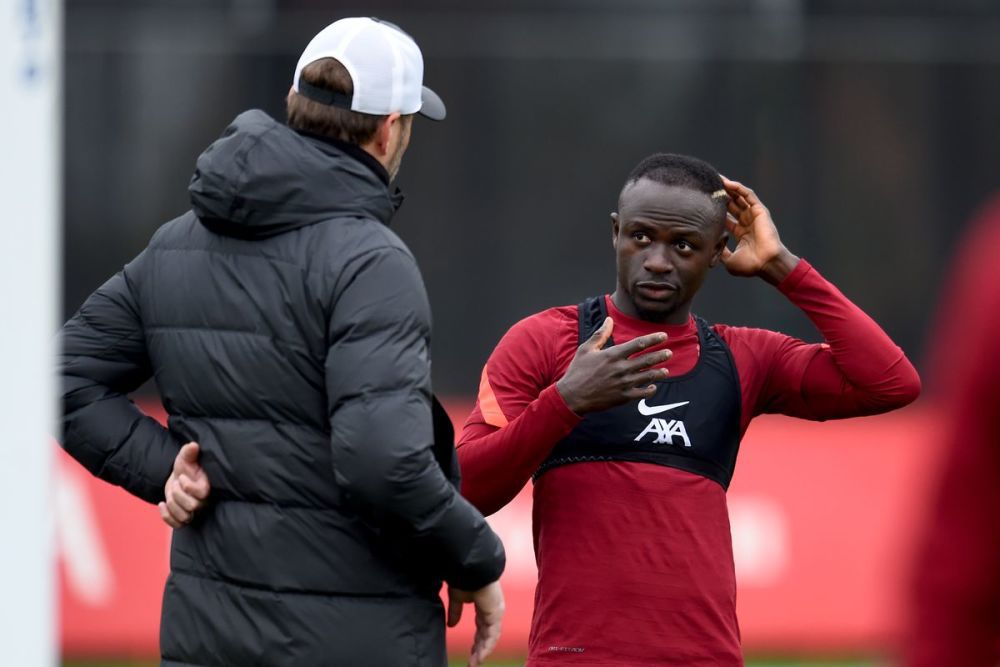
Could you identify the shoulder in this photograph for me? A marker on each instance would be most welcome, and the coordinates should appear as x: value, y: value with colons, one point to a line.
x: 747, y: 335
x: 543, y: 327
x: 342, y: 241
x: 354, y: 251
x: 169, y: 237
x: 175, y: 233
x: 753, y: 344
x: 532, y: 346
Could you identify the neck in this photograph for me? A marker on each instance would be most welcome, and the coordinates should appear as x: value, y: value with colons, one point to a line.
x: 363, y: 154
x: 626, y: 305
x: 371, y: 149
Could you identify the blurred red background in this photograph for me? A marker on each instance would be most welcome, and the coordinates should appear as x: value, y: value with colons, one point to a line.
x: 823, y: 519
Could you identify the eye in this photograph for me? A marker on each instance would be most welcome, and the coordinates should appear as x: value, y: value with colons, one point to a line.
x: 641, y: 238
x: 684, y: 246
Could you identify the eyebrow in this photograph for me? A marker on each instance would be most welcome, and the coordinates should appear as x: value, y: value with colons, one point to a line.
x: 685, y: 227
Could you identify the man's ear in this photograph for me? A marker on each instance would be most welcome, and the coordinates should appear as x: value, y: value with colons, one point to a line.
x: 614, y: 229
x: 719, y: 247
x: 382, y: 141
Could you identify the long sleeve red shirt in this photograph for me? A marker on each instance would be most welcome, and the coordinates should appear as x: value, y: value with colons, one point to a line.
x: 635, y: 560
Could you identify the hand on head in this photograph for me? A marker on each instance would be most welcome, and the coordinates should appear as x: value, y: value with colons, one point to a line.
x: 187, y: 488
x: 759, y: 250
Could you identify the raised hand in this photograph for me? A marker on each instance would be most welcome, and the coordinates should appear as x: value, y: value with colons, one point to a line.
x: 489, y: 604
x: 599, y: 379
x: 187, y: 488
x: 759, y: 250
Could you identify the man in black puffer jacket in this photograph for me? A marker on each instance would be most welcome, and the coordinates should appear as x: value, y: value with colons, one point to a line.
x: 288, y: 330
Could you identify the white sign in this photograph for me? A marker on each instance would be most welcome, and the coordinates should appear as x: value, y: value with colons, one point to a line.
x: 30, y: 197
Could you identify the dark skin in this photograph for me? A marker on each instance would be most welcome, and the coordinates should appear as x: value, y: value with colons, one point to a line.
x: 666, y: 240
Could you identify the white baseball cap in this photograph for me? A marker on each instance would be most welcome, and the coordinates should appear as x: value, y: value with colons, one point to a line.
x: 385, y: 64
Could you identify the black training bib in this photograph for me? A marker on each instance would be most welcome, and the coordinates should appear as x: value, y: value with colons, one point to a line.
x: 691, y: 423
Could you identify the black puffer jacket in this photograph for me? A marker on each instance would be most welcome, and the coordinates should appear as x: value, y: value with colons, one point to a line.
x: 288, y: 331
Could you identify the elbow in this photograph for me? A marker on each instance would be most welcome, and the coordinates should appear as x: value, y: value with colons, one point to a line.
x: 909, y: 383
x: 901, y: 388
x: 367, y: 488
x: 473, y: 487
x: 912, y: 391
x: 481, y: 501
x: 406, y: 488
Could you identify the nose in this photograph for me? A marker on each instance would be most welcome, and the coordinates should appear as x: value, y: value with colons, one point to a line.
x: 657, y: 260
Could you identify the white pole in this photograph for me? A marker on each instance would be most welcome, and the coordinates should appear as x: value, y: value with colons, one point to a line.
x: 30, y: 196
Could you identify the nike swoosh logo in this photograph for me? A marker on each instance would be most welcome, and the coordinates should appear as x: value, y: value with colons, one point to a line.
x: 649, y: 410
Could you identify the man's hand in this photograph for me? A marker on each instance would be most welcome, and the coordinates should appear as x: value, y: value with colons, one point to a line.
x: 186, y: 489
x: 599, y: 379
x: 759, y: 251
x: 489, y: 606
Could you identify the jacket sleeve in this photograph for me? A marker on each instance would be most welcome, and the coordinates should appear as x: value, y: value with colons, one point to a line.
x: 103, y: 359
x: 378, y: 388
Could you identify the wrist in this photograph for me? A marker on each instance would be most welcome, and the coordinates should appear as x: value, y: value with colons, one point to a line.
x: 568, y: 398
x: 779, y: 267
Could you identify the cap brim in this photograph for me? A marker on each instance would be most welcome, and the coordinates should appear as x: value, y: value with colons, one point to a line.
x: 431, y: 105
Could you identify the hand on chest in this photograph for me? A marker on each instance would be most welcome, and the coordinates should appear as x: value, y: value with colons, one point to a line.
x: 691, y: 421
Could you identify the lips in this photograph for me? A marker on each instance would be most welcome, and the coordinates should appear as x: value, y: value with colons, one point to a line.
x: 655, y: 290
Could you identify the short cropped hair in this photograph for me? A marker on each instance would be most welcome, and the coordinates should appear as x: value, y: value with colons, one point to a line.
x: 680, y: 170
x: 329, y: 121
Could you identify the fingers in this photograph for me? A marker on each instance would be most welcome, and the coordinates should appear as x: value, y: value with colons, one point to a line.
x: 741, y: 198
x: 181, y: 495
x: 602, y: 335
x: 197, y: 488
x: 740, y: 210
x: 487, y: 636
x: 638, y: 344
x: 180, y: 503
x: 186, y: 460
x: 187, y: 488
x: 737, y: 191
x: 188, y: 472
x: 648, y: 360
x: 735, y: 187
x: 737, y: 209
x: 732, y: 224
x: 643, y: 379
x: 636, y: 393
x: 489, y: 616
x: 189, y: 452
x: 177, y: 512
x: 167, y: 518
x: 455, y: 604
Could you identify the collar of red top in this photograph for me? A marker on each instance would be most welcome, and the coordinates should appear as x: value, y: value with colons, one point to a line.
x: 645, y: 326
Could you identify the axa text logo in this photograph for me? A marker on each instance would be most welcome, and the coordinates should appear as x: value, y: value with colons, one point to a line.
x: 666, y: 432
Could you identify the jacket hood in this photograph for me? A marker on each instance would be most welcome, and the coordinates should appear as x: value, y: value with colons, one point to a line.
x: 261, y: 178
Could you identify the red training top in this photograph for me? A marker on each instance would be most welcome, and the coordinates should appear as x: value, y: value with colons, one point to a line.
x: 635, y: 563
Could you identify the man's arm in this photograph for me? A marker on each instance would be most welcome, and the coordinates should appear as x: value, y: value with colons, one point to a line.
x: 497, y: 462
x: 378, y: 389
x: 502, y: 447
x: 103, y: 359
x: 858, y: 371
